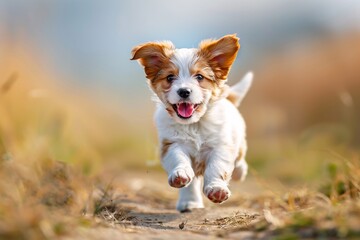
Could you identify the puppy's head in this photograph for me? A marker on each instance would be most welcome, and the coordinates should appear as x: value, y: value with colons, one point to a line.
x: 187, y: 80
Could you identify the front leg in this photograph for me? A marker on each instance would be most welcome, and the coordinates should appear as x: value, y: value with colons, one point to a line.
x: 177, y: 164
x: 218, y: 170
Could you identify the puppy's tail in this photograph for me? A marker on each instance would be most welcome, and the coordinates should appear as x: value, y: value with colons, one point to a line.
x: 239, y: 90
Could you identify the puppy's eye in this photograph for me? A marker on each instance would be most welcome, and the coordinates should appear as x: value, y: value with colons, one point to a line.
x: 199, y: 77
x: 171, y: 78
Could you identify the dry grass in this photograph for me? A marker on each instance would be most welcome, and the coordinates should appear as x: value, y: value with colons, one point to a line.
x: 52, y: 148
x: 60, y: 152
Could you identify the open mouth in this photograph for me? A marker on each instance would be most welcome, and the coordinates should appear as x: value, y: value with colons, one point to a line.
x: 185, y: 109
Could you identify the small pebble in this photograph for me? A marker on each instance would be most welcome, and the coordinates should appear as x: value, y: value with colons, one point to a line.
x: 182, y: 225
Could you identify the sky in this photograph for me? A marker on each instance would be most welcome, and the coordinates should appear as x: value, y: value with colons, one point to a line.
x: 88, y: 42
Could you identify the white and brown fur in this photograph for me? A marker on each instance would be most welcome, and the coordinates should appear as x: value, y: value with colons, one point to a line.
x: 209, y: 144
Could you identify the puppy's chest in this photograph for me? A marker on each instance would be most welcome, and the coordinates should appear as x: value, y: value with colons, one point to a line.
x: 194, y: 136
x: 198, y: 142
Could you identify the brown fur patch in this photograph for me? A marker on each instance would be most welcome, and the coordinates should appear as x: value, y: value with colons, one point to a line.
x: 209, y: 82
x: 224, y: 176
x: 160, y: 85
x: 236, y: 175
x: 233, y: 98
x: 153, y: 56
x: 199, y: 168
x: 201, y: 66
x: 160, y: 82
x: 200, y: 108
x: 165, y: 145
x: 220, y: 54
x: 170, y: 110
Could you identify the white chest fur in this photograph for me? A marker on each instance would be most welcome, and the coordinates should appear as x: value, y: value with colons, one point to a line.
x: 222, y: 125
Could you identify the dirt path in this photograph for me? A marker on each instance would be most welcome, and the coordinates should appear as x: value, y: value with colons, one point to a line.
x: 142, y: 206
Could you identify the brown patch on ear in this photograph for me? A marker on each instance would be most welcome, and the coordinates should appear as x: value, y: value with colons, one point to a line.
x: 220, y: 54
x: 153, y: 56
x: 165, y: 145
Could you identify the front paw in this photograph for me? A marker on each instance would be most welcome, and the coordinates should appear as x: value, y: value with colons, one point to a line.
x: 181, y: 177
x: 217, y: 193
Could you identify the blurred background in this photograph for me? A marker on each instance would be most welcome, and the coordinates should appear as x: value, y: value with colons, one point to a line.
x: 69, y: 91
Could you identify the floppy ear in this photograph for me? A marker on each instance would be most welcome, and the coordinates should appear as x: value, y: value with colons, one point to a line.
x: 152, y: 56
x: 220, y: 54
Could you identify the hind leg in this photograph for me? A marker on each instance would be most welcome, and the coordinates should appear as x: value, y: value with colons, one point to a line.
x: 190, y: 196
x: 241, y: 167
x: 240, y: 170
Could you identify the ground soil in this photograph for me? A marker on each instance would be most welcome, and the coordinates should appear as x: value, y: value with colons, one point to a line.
x: 142, y: 206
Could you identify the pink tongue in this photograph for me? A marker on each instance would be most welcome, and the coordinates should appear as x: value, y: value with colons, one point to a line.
x: 185, y: 109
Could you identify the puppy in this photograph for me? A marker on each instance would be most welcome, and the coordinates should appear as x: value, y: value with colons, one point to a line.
x: 201, y: 132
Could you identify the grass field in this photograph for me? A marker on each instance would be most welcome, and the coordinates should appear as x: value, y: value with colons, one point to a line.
x: 72, y: 168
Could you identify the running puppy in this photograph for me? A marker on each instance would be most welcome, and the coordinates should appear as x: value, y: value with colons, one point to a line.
x: 201, y: 132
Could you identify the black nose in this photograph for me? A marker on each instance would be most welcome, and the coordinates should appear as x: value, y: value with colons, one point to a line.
x: 184, y: 92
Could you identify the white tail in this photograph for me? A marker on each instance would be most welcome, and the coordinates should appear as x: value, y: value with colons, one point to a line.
x: 239, y: 90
